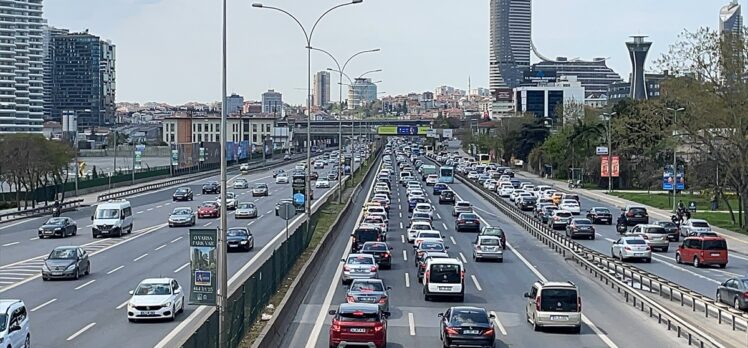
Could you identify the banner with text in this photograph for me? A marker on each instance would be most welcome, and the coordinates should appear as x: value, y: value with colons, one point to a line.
x: 403, y: 130
x: 203, y: 266
x: 669, y: 178
x: 615, y: 166
x: 298, y: 186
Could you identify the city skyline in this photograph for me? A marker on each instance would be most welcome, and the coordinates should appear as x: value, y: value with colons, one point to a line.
x: 273, y: 57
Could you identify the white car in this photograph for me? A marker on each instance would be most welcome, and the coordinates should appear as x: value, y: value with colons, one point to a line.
x: 230, y: 200
x: 244, y: 167
x: 356, y: 159
x: 695, y: 226
x: 570, y: 205
x: 631, y: 248
x: 490, y: 185
x: 473, y: 175
x: 322, y: 183
x: 319, y: 165
x: 155, y: 298
x: 432, y: 179
x: 416, y: 227
x: 506, y: 190
x: 516, y: 194
x: 382, y: 196
x: 416, y: 194
x: 382, y: 190
x: 282, y: 178
x: 430, y: 235
x: 424, y: 208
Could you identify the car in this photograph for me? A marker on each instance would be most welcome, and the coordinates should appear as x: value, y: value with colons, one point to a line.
x: 703, y: 251
x: 428, y: 235
x: 416, y: 194
x: 546, y: 214
x: 230, y: 201
x: 580, y: 227
x: 260, y: 189
x: 322, y: 183
x: 380, y: 251
x: 556, y: 197
x: 244, y: 168
x: 14, y: 324
x: 673, y: 232
x: 571, y: 206
x: 182, y: 216
x: 506, y: 190
x: 380, y: 221
x: 412, y: 202
x: 526, y: 202
x: 239, y: 238
x: 466, y: 327
x: 694, y: 225
x: 183, y: 194
x: 312, y: 176
x: 212, y: 187
x: 554, y: 304
x: 415, y: 227
x: 65, y: 262
x: 358, y: 324
x: 425, y: 208
x: 438, y: 188
x: 332, y: 175
x: 539, y: 207
x: 280, y: 171
x: 319, y: 165
x: 733, y: 292
x: 281, y: 178
x: 432, y: 179
x: 495, y: 232
x: 655, y: 235
x: 359, y: 266
x: 58, y: 227
x: 444, y: 278
x: 467, y: 221
x: 473, y: 175
x: 447, y: 197
x: 423, y: 260
x: 488, y: 247
x: 155, y: 298
x: 462, y: 207
x: 241, y: 183
x: 112, y: 218
x: 369, y: 291
x: 245, y: 210
x: 600, y: 215
x: 282, y: 201
x: 635, y: 214
x: 428, y: 245
x: 356, y: 159
x: 634, y: 247
x: 208, y: 209
x: 559, y: 219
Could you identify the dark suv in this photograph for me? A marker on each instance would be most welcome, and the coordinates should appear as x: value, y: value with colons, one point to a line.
x: 526, y: 203
x: 636, y: 215
x: 212, y: 187
x: 447, y: 196
x: 182, y: 194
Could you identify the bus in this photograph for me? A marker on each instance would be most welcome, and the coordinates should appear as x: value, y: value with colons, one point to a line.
x: 484, y: 158
x: 426, y: 170
x: 447, y: 175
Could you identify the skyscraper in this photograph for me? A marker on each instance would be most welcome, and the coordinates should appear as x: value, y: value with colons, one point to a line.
x: 321, y: 89
x: 638, y: 49
x: 22, y: 72
x: 362, y: 92
x: 510, y: 35
x: 730, y: 19
x: 48, y: 67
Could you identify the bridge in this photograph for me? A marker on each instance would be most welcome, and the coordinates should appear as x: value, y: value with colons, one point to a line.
x: 328, y: 129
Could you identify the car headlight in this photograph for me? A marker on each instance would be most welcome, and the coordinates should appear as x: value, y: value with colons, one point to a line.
x: 167, y: 304
x: 130, y: 306
x: 45, y: 268
x: 244, y: 242
x: 71, y: 267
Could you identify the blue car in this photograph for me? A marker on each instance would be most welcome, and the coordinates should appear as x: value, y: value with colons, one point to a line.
x: 438, y: 188
x: 413, y: 201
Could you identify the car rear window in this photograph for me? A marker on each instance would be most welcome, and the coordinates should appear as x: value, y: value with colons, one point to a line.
x: 468, y: 216
x: 699, y: 224
x: 366, y: 235
x: 638, y: 210
x: 468, y: 317
x: 715, y: 244
x: 360, y: 260
x: 431, y: 246
x: 582, y: 222
x: 563, y: 214
x: 490, y: 241
x: 367, y: 286
x: 358, y: 317
x: 463, y: 205
x: 441, y: 273
x: 601, y: 211
x: 655, y: 230
x: 558, y: 300
x: 636, y: 241
x: 376, y: 247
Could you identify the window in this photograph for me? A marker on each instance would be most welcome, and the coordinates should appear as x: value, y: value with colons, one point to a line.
x: 254, y: 138
x: 171, y: 127
x: 254, y: 128
x: 199, y: 127
x: 218, y: 138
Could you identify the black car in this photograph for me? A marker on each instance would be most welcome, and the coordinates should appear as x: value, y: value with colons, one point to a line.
x: 279, y: 171
x: 380, y: 251
x: 363, y: 234
x: 313, y: 176
x: 239, y: 238
x: 526, y: 203
x: 732, y: 292
x: 673, y: 231
x: 467, y: 221
x: 66, y: 262
x: 447, y: 197
x: 211, y: 187
x: 467, y: 326
x: 183, y: 194
x: 600, y: 215
x: 58, y: 227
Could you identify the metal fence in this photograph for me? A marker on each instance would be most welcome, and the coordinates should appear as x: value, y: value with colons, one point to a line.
x: 44, y: 210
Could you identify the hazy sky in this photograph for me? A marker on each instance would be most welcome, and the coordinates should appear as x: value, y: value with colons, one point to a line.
x: 169, y: 50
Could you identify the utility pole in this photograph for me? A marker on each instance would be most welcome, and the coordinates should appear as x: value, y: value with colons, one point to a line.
x: 610, y: 151
x: 675, y: 158
x: 223, y: 291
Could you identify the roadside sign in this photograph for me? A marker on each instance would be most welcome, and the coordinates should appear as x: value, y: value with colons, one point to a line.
x: 615, y: 166
x: 286, y: 211
x: 601, y: 150
x: 692, y: 206
x: 175, y: 157
x: 203, y: 287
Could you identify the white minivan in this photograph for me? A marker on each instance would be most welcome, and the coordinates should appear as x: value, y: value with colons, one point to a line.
x: 113, y: 218
x: 14, y: 324
x: 444, y: 278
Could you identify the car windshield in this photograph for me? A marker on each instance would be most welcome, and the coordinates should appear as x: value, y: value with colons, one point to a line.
x: 261, y: 186
x: 431, y: 246
x: 558, y: 300
x: 107, y: 213
x: 468, y: 318
x: 360, y: 260
x: 489, y: 241
x: 235, y: 232
x: 445, y: 273
x: 183, y: 190
x: 367, y: 286
x: 699, y: 224
x: 582, y: 222
x: 601, y: 211
x: 209, y: 204
x: 375, y: 247
x: 153, y: 289
x: 246, y: 205
x: 667, y: 224
x: 636, y: 241
x: 493, y: 231
x: 55, y: 221
x: 358, y: 316
x: 468, y: 217
x: 63, y: 254
x: 715, y: 244
x: 421, y: 227
x: 181, y: 211
x: 429, y: 235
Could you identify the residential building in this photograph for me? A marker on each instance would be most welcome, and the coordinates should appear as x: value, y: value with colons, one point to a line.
x: 21, y: 83
x: 426, y: 100
x: 543, y: 101
x: 82, y: 78
x: 730, y: 18
x: 185, y: 129
x: 638, y: 49
x: 510, y: 45
x: 234, y: 104
x: 272, y: 102
x: 48, y: 66
x: 321, y: 89
x: 362, y: 92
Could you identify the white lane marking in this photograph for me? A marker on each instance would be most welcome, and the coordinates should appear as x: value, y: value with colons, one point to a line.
x: 13, y: 278
x: 498, y: 323
x: 149, y: 209
x: 18, y: 223
x: 122, y: 304
x: 35, y: 238
x: 9, y: 244
x: 411, y: 324
x: 438, y: 216
x: 405, y: 255
x: 81, y: 331
x: 167, y: 204
x: 42, y: 305
x: 407, y: 280
x: 85, y: 284
x: 161, y: 247
x: 453, y: 240
x: 475, y: 281
x: 159, y: 206
x: 401, y: 225
x: 207, y: 224
x: 402, y: 238
x: 139, y: 257
x: 116, y: 269
x: 181, y: 267
x: 445, y: 226
x: 268, y: 212
x: 175, y: 240
x: 462, y: 257
x: 401, y: 215
x: 666, y: 262
x: 140, y: 212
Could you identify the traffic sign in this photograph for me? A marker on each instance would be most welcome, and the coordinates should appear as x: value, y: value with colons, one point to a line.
x: 601, y: 150
x: 286, y: 211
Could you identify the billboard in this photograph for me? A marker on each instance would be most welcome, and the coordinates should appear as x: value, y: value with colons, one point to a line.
x: 669, y: 178
x: 403, y: 130
x: 298, y: 187
x: 615, y: 167
x: 503, y: 94
x: 539, y: 77
x: 203, y: 266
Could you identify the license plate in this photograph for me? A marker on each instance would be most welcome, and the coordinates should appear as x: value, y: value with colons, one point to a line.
x: 559, y: 317
x: 56, y: 273
x: 104, y: 232
x: 470, y: 332
x: 639, y: 254
x: 48, y: 232
x: 358, y: 330
x: 714, y: 254
x: 603, y: 219
x: 445, y: 288
x: 148, y: 313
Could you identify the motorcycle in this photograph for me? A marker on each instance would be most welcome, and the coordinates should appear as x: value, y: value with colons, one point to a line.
x: 56, y: 212
x: 621, y: 228
x: 576, y: 184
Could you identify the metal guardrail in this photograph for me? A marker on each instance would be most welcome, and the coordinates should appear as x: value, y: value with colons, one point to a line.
x: 615, y: 274
x: 47, y: 209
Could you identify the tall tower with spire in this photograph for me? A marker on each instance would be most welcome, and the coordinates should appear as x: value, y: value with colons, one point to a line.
x: 638, y: 49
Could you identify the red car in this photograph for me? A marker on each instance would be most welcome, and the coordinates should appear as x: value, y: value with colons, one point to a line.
x: 208, y: 209
x: 701, y: 251
x: 358, y: 324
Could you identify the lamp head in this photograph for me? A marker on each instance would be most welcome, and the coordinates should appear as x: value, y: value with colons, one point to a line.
x: 257, y: 4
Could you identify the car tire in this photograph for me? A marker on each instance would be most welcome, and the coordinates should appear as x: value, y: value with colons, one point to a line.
x: 648, y: 260
x: 736, y: 303
x: 535, y: 326
x: 696, y: 262
x: 677, y: 258
x: 501, y: 260
x: 131, y: 320
x: 27, y: 342
x: 620, y: 256
x: 173, y: 313
x: 88, y: 270
x: 718, y: 297
x: 592, y: 237
x: 77, y: 274
x: 576, y: 330
x: 722, y: 265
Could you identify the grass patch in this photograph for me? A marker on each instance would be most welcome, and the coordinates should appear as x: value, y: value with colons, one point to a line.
x: 665, y: 201
x: 722, y: 220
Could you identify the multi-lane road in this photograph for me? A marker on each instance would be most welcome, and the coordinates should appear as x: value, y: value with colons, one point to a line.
x: 90, y: 312
x: 498, y: 287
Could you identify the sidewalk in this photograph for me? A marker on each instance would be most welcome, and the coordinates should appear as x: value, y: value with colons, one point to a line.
x: 739, y: 241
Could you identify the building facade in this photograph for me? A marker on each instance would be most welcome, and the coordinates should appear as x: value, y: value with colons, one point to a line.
x: 510, y: 45
x: 234, y: 104
x: 21, y: 66
x: 730, y: 18
x: 321, y: 89
x: 622, y: 90
x: 272, y: 102
x: 638, y: 49
x: 362, y: 92
x: 192, y: 130
x: 48, y: 67
x: 595, y: 75
x: 543, y: 101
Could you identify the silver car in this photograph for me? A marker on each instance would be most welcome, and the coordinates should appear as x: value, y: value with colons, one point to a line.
x: 182, y: 216
x: 631, y: 248
x: 655, y: 235
x: 260, y: 189
x: 241, y: 183
x: 462, y: 207
x: 554, y: 304
x: 560, y: 218
x: 369, y: 291
x: 694, y: 225
x: 488, y: 247
x: 359, y: 266
x: 245, y: 210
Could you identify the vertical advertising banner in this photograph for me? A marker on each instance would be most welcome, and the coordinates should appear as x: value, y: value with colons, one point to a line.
x: 298, y: 185
x: 201, y: 155
x: 175, y: 157
x: 139, y: 149
x: 670, y: 178
x: 203, y: 266
x: 615, y: 166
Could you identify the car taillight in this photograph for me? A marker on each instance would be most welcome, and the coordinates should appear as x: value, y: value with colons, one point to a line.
x: 452, y: 332
x: 461, y: 221
x: 555, y: 218
x: 462, y: 276
x: 579, y: 304
x: 426, y: 276
x: 745, y: 295
x: 383, y: 300
x: 335, y: 326
x: 629, y: 214
x: 488, y: 332
x: 537, y: 303
x: 346, y: 268
x: 386, y: 255
x: 378, y: 328
x: 373, y: 268
x: 350, y: 299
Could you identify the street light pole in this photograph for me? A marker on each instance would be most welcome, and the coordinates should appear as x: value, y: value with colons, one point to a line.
x: 675, y: 154
x: 610, y: 152
x: 223, y: 291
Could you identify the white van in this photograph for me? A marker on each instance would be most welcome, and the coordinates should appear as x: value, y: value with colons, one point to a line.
x: 113, y: 218
x: 444, y: 278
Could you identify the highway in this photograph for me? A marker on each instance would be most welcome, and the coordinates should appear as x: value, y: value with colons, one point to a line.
x: 79, y: 313
x: 498, y: 287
